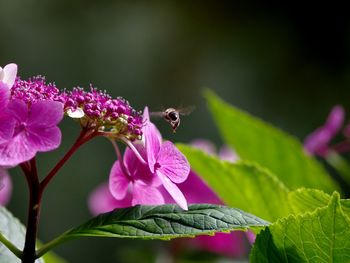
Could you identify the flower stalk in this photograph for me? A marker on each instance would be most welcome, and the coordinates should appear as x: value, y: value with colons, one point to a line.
x: 36, y: 190
x: 35, y: 195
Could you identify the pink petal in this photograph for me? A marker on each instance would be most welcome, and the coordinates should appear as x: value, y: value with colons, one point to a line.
x: 19, y: 110
x: 146, y: 195
x: 152, y: 139
x: 101, y: 200
x: 44, y: 139
x: 45, y: 114
x: 10, y: 73
x: 227, y: 154
x: 335, y: 119
x: 204, y: 145
x: 173, y: 163
x: 4, y: 96
x: 251, y: 237
x: 318, y: 141
x: 7, y: 126
x: 118, y: 182
x: 130, y: 159
x: 228, y: 244
x: 197, y: 191
x: 138, y: 170
x: 17, y: 150
x: 5, y: 187
x: 173, y: 190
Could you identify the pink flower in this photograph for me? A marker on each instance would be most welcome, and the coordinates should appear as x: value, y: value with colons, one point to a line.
x: 318, y: 142
x: 35, y: 131
x: 8, y: 75
x: 5, y: 187
x: 228, y: 244
x: 7, y: 79
x: 102, y: 201
x: 134, y: 182
x: 7, y: 122
x: 165, y: 161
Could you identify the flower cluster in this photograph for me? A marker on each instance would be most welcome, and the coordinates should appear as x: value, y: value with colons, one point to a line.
x: 33, y: 90
x: 28, y: 121
x: 96, y: 107
x: 30, y: 111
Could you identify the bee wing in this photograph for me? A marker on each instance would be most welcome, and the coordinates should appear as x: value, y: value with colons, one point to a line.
x: 186, y: 110
x: 157, y: 114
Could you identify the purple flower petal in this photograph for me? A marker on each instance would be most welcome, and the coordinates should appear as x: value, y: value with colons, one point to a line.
x: 335, y: 119
x: 118, y: 182
x: 197, y: 191
x: 317, y: 142
x: 7, y: 126
x: 45, y: 114
x: 137, y: 170
x: 101, y: 200
x: 228, y: 244
x: 17, y: 150
x: 5, y: 187
x: 227, y: 154
x: 251, y: 237
x: 4, y: 96
x: 10, y: 73
x: 173, y: 190
x: 146, y: 195
x: 173, y: 163
x: 44, y: 139
x: 204, y: 145
x: 19, y: 110
x: 152, y: 139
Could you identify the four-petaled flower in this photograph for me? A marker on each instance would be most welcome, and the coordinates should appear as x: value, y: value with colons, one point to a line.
x: 35, y: 131
x: 131, y: 181
x: 28, y: 124
x: 165, y: 161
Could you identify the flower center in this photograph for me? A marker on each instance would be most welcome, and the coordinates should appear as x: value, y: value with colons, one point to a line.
x: 156, y: 166
x: 20, y: 128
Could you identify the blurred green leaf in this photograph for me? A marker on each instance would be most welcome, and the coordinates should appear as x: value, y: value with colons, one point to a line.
x: 270, y: 147
x: 340, y: 164
x: 244, y: 185
x: 51, y: 257
x: 320, y: 236
x: 162, y: 222
x: 12, y: 229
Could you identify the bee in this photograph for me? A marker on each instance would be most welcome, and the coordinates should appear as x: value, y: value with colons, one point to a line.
x: 172, y: 115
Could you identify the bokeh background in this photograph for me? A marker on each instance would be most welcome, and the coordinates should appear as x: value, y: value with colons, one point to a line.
x: 286, y: 63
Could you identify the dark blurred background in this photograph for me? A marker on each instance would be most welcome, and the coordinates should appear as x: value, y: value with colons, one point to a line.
x: 286, y: 63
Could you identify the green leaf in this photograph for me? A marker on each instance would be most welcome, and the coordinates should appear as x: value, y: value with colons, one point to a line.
x: 320, y: 236
x: 268, y: 146
x: 53, y: 258
x: 162, y: 222
x: 243, y: 185
x: 13, y: 231
x: 307, y: 200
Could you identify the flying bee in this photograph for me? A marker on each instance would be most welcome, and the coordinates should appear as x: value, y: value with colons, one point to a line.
x: 172, y: 115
